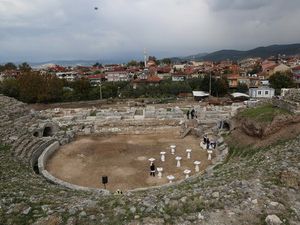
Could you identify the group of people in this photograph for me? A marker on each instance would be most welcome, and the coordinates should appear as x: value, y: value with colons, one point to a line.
x: 209, y: 144
x: 192, y: 113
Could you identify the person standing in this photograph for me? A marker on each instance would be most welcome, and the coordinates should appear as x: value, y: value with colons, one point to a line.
x: 207, y: 143
x: 204, y: 139
x: 192, y: 113
x: 188, y: 114
x: 152, y: 169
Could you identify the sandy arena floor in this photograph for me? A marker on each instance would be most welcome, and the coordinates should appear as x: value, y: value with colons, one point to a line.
x: 124, y: 159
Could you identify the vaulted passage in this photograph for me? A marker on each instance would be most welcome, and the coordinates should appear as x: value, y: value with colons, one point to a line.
x: 224, y: 125
x: 47, y: 132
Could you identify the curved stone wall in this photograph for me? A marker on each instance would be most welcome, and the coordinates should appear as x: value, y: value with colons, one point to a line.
x: 42, y: 168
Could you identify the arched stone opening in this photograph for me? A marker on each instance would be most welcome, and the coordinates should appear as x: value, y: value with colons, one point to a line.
x: 47, y: 132
x: 224, y: 125
x: 36, y: 134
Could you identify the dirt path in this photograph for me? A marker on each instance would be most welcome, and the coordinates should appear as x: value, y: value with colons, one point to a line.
x: 124, y: 159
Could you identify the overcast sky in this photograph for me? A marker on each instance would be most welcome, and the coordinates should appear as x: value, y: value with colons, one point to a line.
x: 40, y: 30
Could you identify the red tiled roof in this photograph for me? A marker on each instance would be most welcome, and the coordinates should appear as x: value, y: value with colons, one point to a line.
x: 296, y: 68
x: 233, y: 76
x: 153, y: 79
x: 96, y: 76
x: 164, y: 69
x: 150, y: 79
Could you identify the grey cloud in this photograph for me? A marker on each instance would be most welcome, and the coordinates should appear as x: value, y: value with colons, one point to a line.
x: 238, y: 4
x: 66, y: 29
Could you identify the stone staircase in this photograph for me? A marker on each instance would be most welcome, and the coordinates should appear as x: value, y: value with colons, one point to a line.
x: 27, y: 147
x: 186, y: 132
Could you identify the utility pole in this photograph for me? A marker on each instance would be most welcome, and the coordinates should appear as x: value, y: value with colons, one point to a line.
x: 100, y: 90
x: 210, y: 83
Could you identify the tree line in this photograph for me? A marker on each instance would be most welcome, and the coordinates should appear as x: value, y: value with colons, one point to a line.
x: 34, y: 87
x: 24, y: 67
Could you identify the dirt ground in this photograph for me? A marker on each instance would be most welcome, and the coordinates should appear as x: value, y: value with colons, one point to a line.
x: 124, y: 159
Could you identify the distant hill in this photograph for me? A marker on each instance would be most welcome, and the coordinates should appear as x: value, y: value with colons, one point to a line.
x: 189, y: 58
x: 263, y: 52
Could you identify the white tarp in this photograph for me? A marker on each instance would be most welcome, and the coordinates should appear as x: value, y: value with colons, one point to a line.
x: 238, y: 95
x: 200, y: 94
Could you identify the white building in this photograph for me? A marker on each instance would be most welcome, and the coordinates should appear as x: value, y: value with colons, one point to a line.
x: 179, y: 67
x: 69, y: 76
x: 261, y: 92
x: 117, y: 76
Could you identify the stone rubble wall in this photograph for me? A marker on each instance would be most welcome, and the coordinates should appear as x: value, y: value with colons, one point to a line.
x: 293, y: 95
x: 290, y: 101
x: 136, y: 120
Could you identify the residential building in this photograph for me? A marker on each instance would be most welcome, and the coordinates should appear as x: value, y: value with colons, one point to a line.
x: 151, y: 80
x: 178, y: 76
x: 233, y: 80
x: 69, y: 76
x: 96, y: 79
x: 117, y: 76
x: 281, y: 68
x: 261, y: 92
x: 179, y: 67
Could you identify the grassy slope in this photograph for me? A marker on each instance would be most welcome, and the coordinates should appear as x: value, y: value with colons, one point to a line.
x: 264, y: 113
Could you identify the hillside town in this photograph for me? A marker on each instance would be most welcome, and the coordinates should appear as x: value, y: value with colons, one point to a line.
x: 252, y: 74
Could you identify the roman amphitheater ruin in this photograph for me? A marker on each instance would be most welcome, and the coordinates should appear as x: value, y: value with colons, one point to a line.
x: 75, y: 147
x: 52, y: 166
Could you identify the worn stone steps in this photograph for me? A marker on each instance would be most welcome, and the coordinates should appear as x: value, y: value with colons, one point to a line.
x: 37, y: 150
x: 33, y: 148
x: 19, y: 141
x: 22, y: 146
x: 186, y: 132
x: 27, y: 147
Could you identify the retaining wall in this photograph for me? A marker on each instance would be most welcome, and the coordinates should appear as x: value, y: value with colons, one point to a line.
x: 42, y: 168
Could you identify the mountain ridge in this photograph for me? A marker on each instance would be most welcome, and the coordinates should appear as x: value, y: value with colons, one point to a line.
x: 262, y: 52
x: 225, y: 54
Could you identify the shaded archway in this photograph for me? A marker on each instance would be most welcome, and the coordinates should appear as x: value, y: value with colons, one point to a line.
x: 226, y: 126
x: 47, y: 132
x: 36, y: 134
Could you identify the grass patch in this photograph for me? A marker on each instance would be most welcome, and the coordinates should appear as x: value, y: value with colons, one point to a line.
x: 93, y: 113
x: 264, y: 113
x: 242, y: 152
